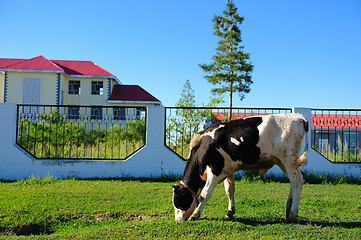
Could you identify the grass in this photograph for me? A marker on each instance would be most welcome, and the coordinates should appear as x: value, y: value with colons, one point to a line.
x: 142, y: 208
x: 103, y: 150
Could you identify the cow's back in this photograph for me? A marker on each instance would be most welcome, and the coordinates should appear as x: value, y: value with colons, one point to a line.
x: 281, y: 135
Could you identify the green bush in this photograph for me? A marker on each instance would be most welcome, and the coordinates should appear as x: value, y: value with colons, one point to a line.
x: 53, y: 136
x: 341, y: 153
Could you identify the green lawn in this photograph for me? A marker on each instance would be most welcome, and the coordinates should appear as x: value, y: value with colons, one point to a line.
x: 142, y: 208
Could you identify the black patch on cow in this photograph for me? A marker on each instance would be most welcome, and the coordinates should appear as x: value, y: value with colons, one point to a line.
x: 206, y: 153
x: 182, y: 198
x: 305, y: 125
x: 245, y: 131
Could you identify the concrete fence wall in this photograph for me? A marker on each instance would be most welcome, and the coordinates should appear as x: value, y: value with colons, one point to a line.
x: 154, y: 159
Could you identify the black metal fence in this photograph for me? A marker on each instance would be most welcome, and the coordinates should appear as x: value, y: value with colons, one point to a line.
x: 182, y: 123
x: 80, y: 132
x: 336, y: 134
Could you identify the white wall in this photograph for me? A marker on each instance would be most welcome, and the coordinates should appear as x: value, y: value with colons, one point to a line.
x: 152, y: 160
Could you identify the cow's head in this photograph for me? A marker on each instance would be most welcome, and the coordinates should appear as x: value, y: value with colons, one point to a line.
x: 183, y: 201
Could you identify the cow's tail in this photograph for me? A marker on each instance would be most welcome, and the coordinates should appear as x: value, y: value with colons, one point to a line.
x: 303, y: 159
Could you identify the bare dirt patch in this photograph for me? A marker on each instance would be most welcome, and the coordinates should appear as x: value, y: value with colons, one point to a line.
x: 27, y: 230
x: 131, y: 217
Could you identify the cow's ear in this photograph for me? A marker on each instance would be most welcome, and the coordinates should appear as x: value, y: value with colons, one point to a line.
x: 176, y: 187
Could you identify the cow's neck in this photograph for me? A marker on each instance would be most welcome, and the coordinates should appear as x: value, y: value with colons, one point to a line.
x: 192, y: 178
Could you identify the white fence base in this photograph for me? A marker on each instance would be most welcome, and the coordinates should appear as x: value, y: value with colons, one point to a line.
x: 153, y: 160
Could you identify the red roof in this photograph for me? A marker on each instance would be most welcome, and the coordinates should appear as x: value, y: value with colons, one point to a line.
x: 38, y: 63
x: 41, y: 63
x: 223, y: 116
x: 317, y: 120
x: 333, y: 120
x: 8, y: 61
x: 81, y: 68
x: 131, y: 93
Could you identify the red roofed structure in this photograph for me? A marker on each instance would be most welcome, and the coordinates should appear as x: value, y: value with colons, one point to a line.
x: 34, y: 64
x: 41, y: 63
x: 41, y: 81
x: 131, y: 93
x: 9, y: 61
x: 333, y: 120
x: 79, y: 68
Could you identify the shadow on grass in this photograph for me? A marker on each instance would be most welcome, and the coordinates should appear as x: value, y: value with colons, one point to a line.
x: 254, y: 222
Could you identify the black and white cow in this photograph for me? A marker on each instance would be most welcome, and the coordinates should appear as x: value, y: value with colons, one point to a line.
x: 251, y: 143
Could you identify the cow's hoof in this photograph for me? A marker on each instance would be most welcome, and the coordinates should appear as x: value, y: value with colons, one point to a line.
x: 229, y: 215
x: 291, y: 219
x: 193, y: 217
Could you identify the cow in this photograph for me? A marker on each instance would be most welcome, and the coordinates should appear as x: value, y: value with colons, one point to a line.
x: 253, y: 143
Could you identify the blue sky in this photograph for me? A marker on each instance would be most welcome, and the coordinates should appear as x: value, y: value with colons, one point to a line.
x: 305, y: 53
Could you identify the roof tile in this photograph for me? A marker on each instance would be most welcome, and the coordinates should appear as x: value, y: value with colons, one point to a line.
x: 41, y: 63
x: 37, y: 63
x: 133, y: 93
x: 88, y: 68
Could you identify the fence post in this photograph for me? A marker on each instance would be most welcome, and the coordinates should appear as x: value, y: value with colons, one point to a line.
x: 14, y: 163
x: 155, y: 126
x: 155, y: 159
x: 8, y: 125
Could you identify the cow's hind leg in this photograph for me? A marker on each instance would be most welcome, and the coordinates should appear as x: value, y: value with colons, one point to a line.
x: 230, y: 188
x: 296, y: 179
x: 289, y: 203
x: 211, y: 183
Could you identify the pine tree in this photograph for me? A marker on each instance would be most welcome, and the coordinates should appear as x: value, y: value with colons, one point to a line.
x: 188, y: 120
x: 187, y: 96
x: 230, y: 67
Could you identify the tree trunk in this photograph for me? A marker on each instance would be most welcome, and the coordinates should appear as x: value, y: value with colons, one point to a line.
x: 230, y: 103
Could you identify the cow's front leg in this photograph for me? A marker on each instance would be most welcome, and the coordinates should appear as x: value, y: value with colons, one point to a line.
x: 211, y: 183
x: 230, y: 188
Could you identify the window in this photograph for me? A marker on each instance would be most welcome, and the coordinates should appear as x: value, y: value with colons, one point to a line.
x: 96, y: 113
x: 31, y: 95
x: 97, y: 88
x: 141, y: 112
x: 119, y: 113
x: 74, y: 87
x: 31, y: 91
x: 73, y: 112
